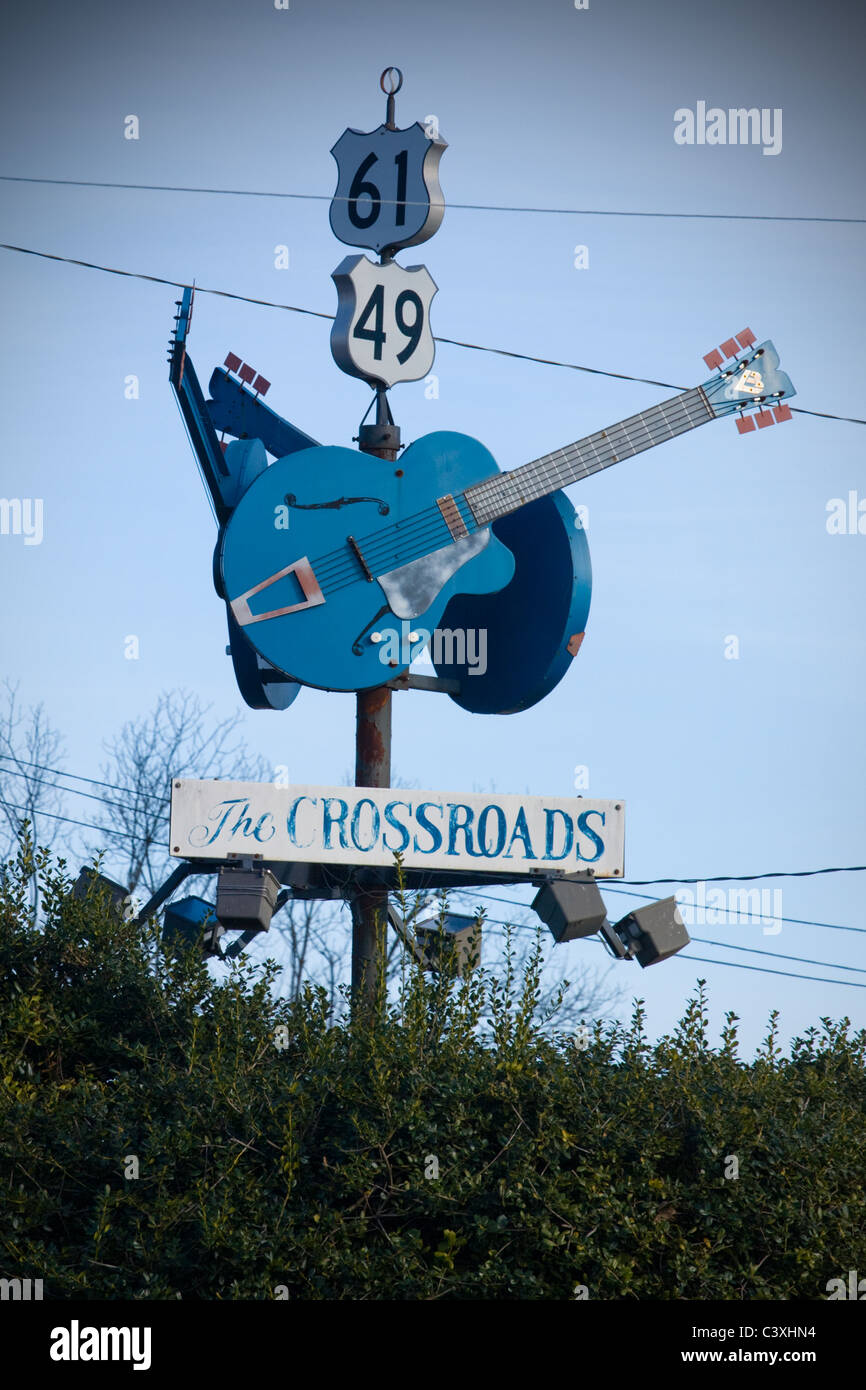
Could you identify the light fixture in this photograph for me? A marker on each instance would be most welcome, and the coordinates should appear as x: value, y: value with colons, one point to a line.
x: 90, y: 881
x: 654, y: 932
x: 246, y: 898
x: 571, y: 909
x: 449, y: 944
x: 190, y: 921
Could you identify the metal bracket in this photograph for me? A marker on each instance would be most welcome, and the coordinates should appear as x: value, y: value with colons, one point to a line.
x: 384, y: 434
x: 409, y: 681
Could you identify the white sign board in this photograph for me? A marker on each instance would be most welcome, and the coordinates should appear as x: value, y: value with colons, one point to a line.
x: 382, y: 329
x: 388, y: 190
x: 368, y: 826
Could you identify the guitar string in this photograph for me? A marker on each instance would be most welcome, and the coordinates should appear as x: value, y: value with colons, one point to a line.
x: 544, y: 471
x: 543, y: 479
x: 546, y: 474
x: 550, y: 464
x: 677, y: 422
x: 540, y: 481
x: 374, y: 536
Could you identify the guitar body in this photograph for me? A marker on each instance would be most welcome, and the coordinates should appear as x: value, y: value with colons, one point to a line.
x: 260, y: 684
x: 535, y: 625
x: 286, y: 547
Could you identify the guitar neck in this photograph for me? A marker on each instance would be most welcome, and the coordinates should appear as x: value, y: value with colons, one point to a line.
x: 505, y: 492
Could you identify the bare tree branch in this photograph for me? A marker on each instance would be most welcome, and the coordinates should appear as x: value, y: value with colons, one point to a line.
x: 31, y: 752
x: 175, y: 740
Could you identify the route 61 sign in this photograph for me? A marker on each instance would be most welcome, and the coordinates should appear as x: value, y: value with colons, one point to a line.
x: 382, y: 329
x: 388, y: 192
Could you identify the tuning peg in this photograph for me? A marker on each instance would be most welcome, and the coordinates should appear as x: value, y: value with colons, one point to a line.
x: 782, y: 413
x: 261, y: 386
x: 729, y: 348
x: 232, y: 363
x: 745, y: 424
x: 246, y: 373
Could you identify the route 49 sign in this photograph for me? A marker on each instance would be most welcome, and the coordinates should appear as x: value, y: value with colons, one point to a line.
x: 388, y: 192
x: 382, y: 329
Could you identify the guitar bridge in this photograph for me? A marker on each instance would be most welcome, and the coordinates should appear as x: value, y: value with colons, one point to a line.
x: 356, y: 551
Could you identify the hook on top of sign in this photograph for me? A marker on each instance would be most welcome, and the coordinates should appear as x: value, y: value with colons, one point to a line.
x: 393, y: 77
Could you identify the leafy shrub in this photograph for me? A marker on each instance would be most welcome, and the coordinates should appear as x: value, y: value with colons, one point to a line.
x: 414, y: 1155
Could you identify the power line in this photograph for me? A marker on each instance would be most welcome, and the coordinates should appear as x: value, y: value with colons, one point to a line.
x: 706, y: 941
x: 53, y: 816
x: 452, y: 342
x: 724, y: 945
x: 747, y: 878
x: 160, y: 280
x: 735, y: 912
x: 765, y: 970
x: 645, y: 897
x: 76, y: 791
x: 779, y: 955
x: 76, y: 777
x: 463, y: 207
x: 734, y: 964
x: 741, y: 965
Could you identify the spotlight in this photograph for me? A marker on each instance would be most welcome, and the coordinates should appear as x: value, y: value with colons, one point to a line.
x: 654, y: 932
x: 246, y: 898
x: 119, y: 897
x: 192, y: 919
x: 450, y: 944
x: 570, y: 909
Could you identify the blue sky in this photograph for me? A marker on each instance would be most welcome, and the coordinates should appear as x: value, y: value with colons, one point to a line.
x: 726, y: 766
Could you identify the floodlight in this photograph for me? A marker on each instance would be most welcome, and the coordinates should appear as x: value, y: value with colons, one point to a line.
x: 119, y: 897
x: 654, y: 932
x: 570, y: 909
x: 246, y: 898
x: 190, y: 920
x: 450, y: 944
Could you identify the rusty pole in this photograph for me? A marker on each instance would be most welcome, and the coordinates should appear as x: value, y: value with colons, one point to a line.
x: 372, y: 763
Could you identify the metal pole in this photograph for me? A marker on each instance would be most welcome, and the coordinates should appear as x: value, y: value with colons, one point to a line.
x: 372, y: 763
x: 174, y: 880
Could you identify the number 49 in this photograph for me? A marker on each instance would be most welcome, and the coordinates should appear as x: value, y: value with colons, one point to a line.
x: 375, y: 309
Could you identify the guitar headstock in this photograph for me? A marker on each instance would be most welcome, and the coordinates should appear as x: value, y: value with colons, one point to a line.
x: 747, y: 377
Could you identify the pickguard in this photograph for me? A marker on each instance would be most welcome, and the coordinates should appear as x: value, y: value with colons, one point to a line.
x: 411, y: 589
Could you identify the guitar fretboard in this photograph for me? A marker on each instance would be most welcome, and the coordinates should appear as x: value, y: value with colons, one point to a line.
x: 505, y: 492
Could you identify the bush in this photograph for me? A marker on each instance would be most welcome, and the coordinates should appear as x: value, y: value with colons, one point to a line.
x: 415, y: 1156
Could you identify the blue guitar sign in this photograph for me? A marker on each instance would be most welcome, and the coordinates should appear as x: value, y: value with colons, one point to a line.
x: 368, y: 546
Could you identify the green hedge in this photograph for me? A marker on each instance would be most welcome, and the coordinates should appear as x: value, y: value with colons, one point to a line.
x: 280, y: 1155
